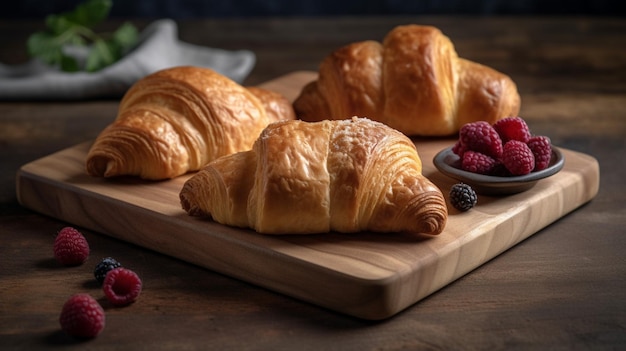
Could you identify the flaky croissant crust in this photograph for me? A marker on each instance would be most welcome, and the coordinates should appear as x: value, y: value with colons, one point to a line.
x: 300, y: 178
x: 178, y: 119
x: 413, y: 81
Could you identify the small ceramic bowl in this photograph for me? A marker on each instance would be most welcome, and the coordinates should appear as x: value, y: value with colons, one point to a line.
x: 448, y: 163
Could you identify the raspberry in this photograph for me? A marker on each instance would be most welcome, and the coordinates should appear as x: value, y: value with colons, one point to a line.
x: 542, y: 150
x: 70, y: 247
x: 512, y: 128
x: 104, y: 267
x: 121, y: 286
x: 462, y: 197
x: 476, y: 162
x: 481, y: 137
x: 518, y: 158
x: 459, y: 149
x: 82, y: 316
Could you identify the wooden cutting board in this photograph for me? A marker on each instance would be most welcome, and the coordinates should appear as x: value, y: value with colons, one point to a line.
x: 371, y: 276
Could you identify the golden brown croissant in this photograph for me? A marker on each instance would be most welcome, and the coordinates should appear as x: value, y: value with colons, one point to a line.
x: 299, y: 178
x: 414, y: 82
x: 178, y: 119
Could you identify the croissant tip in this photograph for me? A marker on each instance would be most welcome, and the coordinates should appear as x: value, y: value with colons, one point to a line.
x: 432, y: 215
x: 436, y: 223
x: 187, y: 202
x: 184, y: 202
x: 100, y: 166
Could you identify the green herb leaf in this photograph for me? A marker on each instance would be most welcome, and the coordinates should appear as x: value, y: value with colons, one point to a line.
x: 69, y: 64
x: 76, y: 28
x: 126, y: 36
x: 43, y: 45
x: 89, y: 13
x: 58, y: 24
x: 101, y: 55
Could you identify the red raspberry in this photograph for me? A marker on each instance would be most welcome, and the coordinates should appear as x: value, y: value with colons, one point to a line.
x: 476, y: 162
x: 481, y: 137
x: 542, y: 150
x: 121, y: 286
x: 518, y: 158
x: 458, y: 148
x: 82, y: 316
x: 70, y: 247
x: 512, y: 128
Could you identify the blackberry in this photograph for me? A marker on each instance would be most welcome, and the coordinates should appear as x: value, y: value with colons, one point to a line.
x: 102, y: 268
x: 462, y: 196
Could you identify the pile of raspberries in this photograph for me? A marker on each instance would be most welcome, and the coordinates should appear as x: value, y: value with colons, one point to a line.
x: 505, y: 148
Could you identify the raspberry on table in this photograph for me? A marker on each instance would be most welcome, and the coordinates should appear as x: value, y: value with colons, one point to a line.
x: 70, y: 247
x: 541, y: 148
x: 107, y: 264
x: 476, y: 162
x: 481, y: 137
x: 463, y: 197
x: 121, y: 286
x: 82, y: 316
x: 512, y: 128
x: 518, y: 158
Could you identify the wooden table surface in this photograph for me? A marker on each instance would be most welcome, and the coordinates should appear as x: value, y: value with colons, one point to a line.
x: 563, y: 288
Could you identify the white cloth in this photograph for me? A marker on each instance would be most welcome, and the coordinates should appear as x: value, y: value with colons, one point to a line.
x: 158, y: 48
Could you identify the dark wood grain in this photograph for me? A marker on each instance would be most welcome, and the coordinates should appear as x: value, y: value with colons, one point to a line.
x: 563, y: 288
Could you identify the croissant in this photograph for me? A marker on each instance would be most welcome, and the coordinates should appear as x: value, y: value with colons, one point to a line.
x: 178, y: 119
x: 414, y: 82
x: 301, y: 178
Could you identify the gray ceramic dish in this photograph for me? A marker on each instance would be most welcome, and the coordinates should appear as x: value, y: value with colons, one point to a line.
x: 448, y: 163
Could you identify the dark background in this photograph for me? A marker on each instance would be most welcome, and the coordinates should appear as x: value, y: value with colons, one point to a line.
x: 181, y: 9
